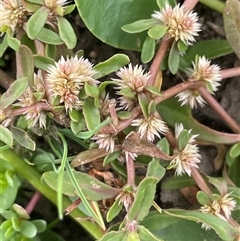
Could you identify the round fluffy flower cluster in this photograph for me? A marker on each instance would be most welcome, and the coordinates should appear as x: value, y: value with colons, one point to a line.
x: 224, y: 205
x: 12, y: 14
x: 186, y: 158
x: 68, y: 77
x: 132, y: 81
x: 105, y: 141
x: 54, y: 5
x: 33, y: 96
x: 181, y: 25
x: 202, y: 71
x: 150, y: 127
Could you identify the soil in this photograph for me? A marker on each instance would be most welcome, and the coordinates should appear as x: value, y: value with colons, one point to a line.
x: 96, y: 51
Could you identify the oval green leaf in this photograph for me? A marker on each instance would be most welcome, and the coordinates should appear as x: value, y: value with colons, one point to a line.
x: 36, y: 22
x: 139, y: 26
x: 231, y: 17
x: 16, y: 89
x: 113, y: 15
x: 66, y: 32
x: 148, y: 50
x: 157, y: 31
x: 110, y: 65
x: 42, y: 62
x: 49, y: 37
x: 173, y: 58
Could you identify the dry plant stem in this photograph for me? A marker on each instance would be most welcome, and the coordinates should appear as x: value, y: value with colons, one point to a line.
x: 5, y: 80
x: 33, y: 202
x: 218, y: 108
x: 189, y: 5
x: 228, y: 73
x: 130, y: 171
x: 200, y: 181
x: 158, y: 58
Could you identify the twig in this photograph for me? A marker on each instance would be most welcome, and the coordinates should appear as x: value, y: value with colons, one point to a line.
x: 218, y: 108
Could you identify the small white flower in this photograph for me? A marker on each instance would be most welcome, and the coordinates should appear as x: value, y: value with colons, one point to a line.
x: 13, y: 14
x: 181, y: 25
x: 150, y: 127
x: 132, y: 77
x: 53, y: 5
x: 126, y: 103
x: 193, y: 98
x: 188, y: 157
x: 105, y: 141
x: 204, y: 71
x: 224, y: 205
x: 68, y: 77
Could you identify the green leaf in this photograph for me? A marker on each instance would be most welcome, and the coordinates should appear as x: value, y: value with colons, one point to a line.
x: 6, y: 136
x: 75, y: 115
x: 163, y: 145
x: 15, y: 91
x: 146, y: 235
x: 91, y: 114
x: 143, y: 199
x: 162, y: 3
x: 224, y: 229
x: 172, y: 112
x: 182, y: 46
x: 92, y: 188
x: 7, y: 198
x: 155, y: 170
x: 114, y: 211
x: 151, y: 107
x: 115, y: 236
x: 3, y: 45
x: 111, y: 157
x: 68, y: 9
x: 37, y: 21
x: 23, y: 138
x: 50, y: 235
x: 172, y: 228
x: 110, y: 65
x: 203, y: 198
x: 235, y: 150
x: 123, y: 115
x: 13, y: 43
x: 42, y: 62
x: 175, y: 182
x: 77, y: 127
x: 173, y: 58
x: 231, y: 18
x: 153, y: 90
x: 49, y: 37
x: 109, y: 28
x: 26, y: 64
x: 148, y: 50
x: 211, y: 49
x: 127, y: 91
x: 28, y: 229
x: 22, y: 213
x: 143, y: 102
x: 66, y: 32
x: 158, y: 31
x: 233, y: 171
x: 139, y: 26
x: 91, y: 90
x: 183, y: 139
x: 40, y: 225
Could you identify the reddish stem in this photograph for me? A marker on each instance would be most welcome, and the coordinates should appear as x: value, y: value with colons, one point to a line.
x: 218, y: 108
x: 228, y: 73
x: 189, y: 5
x: 130, y: 171
x: 33, y: 202
x: 158, y: 59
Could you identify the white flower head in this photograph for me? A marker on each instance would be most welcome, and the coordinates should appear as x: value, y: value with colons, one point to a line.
x: 13, y: 14
x: 133, y: 77
x: 181, y: 25
x: 68, y: 77
x: 203, y: 70
x: 191, y: 97
x: 188, y: 157
x: 53, y: 5
x: 150, y: 127
x: 105, y: 141
x: 221, y: 208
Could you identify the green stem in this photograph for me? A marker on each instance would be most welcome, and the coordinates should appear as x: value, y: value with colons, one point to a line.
x: 216, y: 5
x: 34, y: 178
